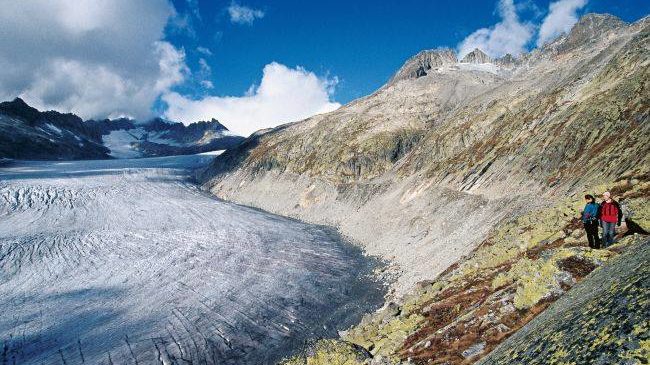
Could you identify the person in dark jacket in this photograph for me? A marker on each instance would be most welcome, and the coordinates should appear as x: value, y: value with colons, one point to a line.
x: 590, y: 221
x: 610, y: 216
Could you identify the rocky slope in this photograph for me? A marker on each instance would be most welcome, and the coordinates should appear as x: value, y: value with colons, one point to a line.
x: 26, y: 133
x: 419, y: 171
x: 521, y: 268
x: 478, y: 164
x: 604, y: 320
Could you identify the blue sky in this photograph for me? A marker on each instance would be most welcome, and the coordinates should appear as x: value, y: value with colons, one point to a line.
x: 251, y: 64
x: 361, y: 42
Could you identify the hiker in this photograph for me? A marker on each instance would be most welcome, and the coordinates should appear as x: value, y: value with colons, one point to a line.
x: 590, y: 221
x: 610, y: 214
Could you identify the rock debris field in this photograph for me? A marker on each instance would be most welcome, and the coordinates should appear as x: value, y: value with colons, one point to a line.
x: 128, y: 262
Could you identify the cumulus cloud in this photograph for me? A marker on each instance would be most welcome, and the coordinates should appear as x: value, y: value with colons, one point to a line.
x: 563, y: 14
x: 240, y: 14
x: 510, y: 35
x: 92, y: 58
x: 284, y: 95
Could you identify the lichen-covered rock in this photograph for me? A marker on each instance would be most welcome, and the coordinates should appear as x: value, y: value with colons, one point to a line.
x: 603, y: 320
x: 330, y: 352
x: 521, y: 268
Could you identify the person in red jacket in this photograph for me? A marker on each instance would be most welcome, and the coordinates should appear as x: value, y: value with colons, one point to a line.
x: 610, y: 216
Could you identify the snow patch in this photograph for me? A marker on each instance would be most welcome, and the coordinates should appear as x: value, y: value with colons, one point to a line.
x: 119, y: 142
x: 212, y: 153
x: 482, y: 67
x: 54, y: 128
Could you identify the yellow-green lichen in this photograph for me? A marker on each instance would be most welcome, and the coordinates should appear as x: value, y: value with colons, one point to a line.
x: 385, y: 339
x: 330, y: 352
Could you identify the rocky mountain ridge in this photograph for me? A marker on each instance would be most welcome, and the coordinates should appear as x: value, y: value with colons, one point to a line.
x: 434, y: 171
x: 26, y: 133
x: 458, y: 133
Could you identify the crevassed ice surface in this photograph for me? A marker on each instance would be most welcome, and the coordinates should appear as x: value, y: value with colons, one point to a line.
x: 125, y: 262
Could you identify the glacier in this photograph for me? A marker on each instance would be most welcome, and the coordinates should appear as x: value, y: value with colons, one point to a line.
x: 128, y: 261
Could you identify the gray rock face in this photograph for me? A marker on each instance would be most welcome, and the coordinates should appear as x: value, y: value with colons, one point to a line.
x: 420, y: 64
x: 477, y: 56
x: 507, y: 61
x: 590, y: 28
x: 26, y: 133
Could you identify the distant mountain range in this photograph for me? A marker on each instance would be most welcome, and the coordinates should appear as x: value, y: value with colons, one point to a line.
x: 27, y: 133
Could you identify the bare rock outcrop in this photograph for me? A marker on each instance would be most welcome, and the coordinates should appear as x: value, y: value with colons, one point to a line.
x: 476, y: 56
x: 420, y: 64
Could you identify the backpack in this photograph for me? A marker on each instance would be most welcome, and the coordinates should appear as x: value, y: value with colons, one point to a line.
x: 609, y: 212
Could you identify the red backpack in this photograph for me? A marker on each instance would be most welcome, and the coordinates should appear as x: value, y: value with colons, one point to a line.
x: 609, y: 212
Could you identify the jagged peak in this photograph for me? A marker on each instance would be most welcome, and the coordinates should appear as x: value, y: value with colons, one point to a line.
x: 592, y: 20
x: 421, y: 63
x: 589, y: 28
x: 19, y: 108
x: 506, y: 60
x: 17, y: 103
x: 212, y: 124
x: 217, y: 124
x: 476, y: 56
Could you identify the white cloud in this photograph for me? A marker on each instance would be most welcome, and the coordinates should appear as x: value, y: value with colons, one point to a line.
x: 207, y: 84
x: 193, y: 6
x: 204, y: 50
x: 510, y: 35
x: 92, y: 58
x: 204, y: 67
x: 563, y: 14
x: 240, y: 14
x: 204, y: 74
x: 182, y: 24
x: 284, y: 95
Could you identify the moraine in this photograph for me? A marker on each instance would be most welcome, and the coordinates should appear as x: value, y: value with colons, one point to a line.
x: 126, y: 261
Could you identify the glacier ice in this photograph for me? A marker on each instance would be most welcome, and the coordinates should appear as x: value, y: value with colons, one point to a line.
x: 126, y: 261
